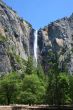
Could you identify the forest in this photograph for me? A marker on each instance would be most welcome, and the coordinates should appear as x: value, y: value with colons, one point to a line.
x: 33, y: 86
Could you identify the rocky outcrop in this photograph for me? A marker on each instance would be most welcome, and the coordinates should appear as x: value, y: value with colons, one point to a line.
x: 57, y: 37
x: 15, y: 36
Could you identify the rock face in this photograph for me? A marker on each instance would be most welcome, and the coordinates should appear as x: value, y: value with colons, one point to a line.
x: 57, y: 37
x: 15, y: 39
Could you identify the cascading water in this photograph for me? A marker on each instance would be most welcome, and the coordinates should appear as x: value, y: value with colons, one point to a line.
x: 35, y: 45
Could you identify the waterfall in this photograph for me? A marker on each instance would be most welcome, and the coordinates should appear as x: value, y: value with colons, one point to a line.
x: 35, y: 45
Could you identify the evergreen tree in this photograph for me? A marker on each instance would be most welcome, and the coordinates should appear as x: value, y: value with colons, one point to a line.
x: 29, y: 66
x: 33, y: 90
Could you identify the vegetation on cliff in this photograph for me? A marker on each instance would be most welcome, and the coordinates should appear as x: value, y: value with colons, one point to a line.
x: 34, y: 87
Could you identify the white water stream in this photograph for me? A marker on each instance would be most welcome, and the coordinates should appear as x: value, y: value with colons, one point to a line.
x: 35, y: 45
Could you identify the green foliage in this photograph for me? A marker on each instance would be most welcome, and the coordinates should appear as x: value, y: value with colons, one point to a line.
x: 63, y: 89
x: 24, y: 88
x: 58, y: 90
x: 29, y: 66
x: 34, y: 87
x: 40, y: 72
x: 33, y: 90
x: 8, y: 88
x: 71, y: 88
x: 2, y: 38
x: 58, y: 84
x: 21, y: 62
x: 27, y: 98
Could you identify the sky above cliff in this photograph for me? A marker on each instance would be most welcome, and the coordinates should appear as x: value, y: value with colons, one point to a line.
x: 41, y: 12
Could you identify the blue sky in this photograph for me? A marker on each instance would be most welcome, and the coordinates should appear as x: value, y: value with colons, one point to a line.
x: 41, y: 12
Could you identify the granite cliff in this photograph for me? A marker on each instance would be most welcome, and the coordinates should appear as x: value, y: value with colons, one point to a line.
x: 57, y: 37
x: 17, y: 41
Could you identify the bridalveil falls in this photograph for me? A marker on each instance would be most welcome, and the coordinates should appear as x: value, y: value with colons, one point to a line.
x: 35, y: 45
